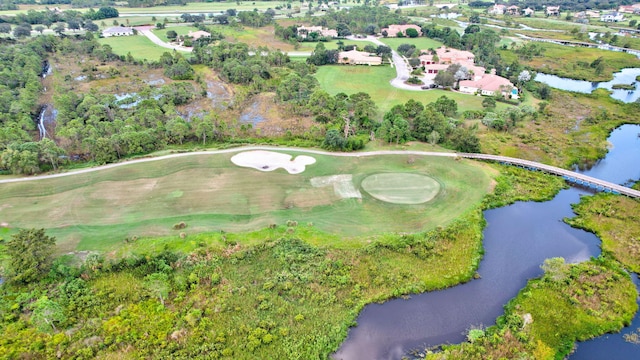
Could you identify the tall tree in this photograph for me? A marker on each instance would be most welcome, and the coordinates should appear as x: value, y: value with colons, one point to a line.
x: 30, y: 253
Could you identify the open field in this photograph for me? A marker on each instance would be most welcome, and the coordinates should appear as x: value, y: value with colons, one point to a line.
x: 98, y: 210
x: 422, y: 43
x: 139, y: 46
x: 374, y: 80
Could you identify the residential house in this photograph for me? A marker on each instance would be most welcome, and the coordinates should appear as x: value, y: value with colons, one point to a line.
x: 513, y: 10
x: 612, y: 16
x: 528, y: 12
x: 304, y: 31
x: 630, y: 9
x: 489, y: 85
x: 478, y: 81
x: 355, y: 57
x: 497, y: 9
x: 195, y: 35
x: 552, y: 11
x: 592, y: 13
x: 444, y: 57
x: 393, y: 30
x: 117, y: 31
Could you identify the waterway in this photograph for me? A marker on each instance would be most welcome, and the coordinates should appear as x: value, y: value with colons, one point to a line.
x: 625, y: 76
x: 517, y: 240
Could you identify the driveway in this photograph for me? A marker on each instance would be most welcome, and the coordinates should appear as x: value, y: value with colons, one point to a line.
x: 146, y: 31
x: 403, y: 69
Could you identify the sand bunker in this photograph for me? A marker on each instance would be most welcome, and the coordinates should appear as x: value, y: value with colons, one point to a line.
x: 270, y: 160
x: 342, y: 185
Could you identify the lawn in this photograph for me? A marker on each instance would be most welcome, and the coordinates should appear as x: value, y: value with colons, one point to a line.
x: 374, y: 80
x: 180, y: 30
x: 139, y: 46
x: 98, y: 210
x: 421, y: 43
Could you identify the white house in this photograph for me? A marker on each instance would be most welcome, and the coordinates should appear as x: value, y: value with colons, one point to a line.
x: 355, y: 57
x: 117, y: 31
x: 613, y: 16
x: 497, y: 9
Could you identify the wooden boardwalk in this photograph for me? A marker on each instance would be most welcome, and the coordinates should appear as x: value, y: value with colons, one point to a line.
x: 568, y: 175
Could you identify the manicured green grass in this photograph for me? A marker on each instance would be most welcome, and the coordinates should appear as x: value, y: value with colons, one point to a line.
x: 180, y: 30
x: 422, y: 43
x: 374, y: 80
x: 209, y: 193
x: 138, y: 45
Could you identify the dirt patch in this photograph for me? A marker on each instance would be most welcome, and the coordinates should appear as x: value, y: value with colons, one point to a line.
x: 263, y: 113
x: 342, y: 185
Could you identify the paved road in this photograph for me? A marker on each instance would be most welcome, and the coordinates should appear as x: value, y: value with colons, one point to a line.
x: 403, y: 69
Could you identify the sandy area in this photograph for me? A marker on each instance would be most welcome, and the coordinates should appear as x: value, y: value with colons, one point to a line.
x: 270, y: 160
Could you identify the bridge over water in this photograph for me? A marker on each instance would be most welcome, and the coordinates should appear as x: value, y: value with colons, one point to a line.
x: 568, y: 175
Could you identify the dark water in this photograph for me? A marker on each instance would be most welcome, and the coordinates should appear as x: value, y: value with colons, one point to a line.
x: 626, y: 76
x: 517, y: 240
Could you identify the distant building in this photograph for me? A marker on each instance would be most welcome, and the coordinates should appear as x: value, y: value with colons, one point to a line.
x: 630, y: 9
x: 497, y: 9
x: 355, y: 57
x: 528, y: 12
x: 513, y: 10
x: 195, y: 35
x: 552, y: 11
x: 612, y: 16
x: 393, y: 30
x: 304, y: 31
x: 117, y: 31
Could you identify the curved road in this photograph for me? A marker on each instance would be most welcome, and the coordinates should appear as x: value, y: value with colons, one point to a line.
x: 146, y: 31
x: 403, y: 69
x: 531, y: 164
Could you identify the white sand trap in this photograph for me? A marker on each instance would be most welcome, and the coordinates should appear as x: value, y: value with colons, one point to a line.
x: 270, y: 160
x: 342, y: 185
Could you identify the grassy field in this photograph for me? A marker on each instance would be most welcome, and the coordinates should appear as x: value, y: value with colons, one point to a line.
x: 616, y: 220
x: 421, y: 43
x: 180, y: 30
x: 139, y: 46
x: 573, y: 62
x: 374, y: 80
x: 209, y: 193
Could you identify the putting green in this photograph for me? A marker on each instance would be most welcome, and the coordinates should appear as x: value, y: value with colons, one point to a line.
x: 401, y: 188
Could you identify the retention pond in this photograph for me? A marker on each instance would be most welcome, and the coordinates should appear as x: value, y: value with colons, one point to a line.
x: 517, y: 240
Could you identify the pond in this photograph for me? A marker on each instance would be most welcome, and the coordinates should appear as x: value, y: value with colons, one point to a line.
x: 517, y: 240
x: 625, y: 76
